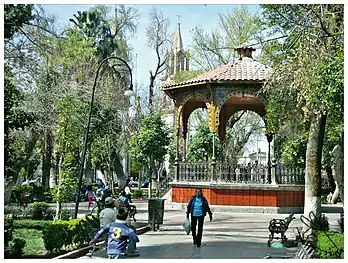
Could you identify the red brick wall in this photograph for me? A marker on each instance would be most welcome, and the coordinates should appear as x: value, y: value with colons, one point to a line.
x: 246, y: 197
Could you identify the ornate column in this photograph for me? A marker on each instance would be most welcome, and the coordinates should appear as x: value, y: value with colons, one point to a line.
x: 184, y: 148
x: 177, y: 127
x: 269, y: 165
x: 213, y: 161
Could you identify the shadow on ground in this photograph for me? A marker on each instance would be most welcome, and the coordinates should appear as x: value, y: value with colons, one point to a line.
x: 208, y: 250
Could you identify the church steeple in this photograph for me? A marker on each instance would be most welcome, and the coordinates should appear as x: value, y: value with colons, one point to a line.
x: 177, y: 59
x: 177, y: 41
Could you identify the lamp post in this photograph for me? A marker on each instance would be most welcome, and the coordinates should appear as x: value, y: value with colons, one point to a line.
x: 128, y: 92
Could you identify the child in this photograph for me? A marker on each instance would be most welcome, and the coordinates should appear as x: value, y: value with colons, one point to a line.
x: 118, y: 234
x: 90, y: 196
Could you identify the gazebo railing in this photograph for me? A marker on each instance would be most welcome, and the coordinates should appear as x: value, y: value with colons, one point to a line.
x: 227, y: 173
x: 239, y: 173
x: 289, y: 175
x: 195, y: 172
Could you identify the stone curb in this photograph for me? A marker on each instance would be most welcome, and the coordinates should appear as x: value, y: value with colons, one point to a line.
x: 82, y: 251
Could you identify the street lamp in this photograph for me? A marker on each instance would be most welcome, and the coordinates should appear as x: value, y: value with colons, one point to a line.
x: 128, y: 92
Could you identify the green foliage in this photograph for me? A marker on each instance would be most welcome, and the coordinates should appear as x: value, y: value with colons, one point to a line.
x: 8, y: 233
x: 31, y: 224
x: 327, y: 250
x: 137, y: 193
x: 38, y: 210
x: 320, y: 223
x: 13, y: 211
x: 15, y: 17
x: 293, y: 152
x: 150, y: 145
x: 181, y: 76
x: 201, y: 145
x: 19, y: 191
x: 17, y: 247
x: 75, y: 232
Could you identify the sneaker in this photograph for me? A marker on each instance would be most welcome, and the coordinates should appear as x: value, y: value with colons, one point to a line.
x: 198, y: 245
x: 134, y: 253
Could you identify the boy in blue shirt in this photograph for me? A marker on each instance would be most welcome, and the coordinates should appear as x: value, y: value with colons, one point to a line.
x: 118, y: 234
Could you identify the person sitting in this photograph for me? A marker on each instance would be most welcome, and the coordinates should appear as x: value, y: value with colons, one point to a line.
x: 118, y: 234
x: 108, y: 214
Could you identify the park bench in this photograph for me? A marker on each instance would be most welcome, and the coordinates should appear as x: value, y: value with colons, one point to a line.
x: 279, y: 226
x: 305, y: 251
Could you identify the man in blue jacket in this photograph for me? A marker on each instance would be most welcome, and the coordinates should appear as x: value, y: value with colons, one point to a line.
x: 198, y: 207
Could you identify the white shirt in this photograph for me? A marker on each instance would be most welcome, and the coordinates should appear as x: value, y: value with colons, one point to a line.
x: 127, y: 190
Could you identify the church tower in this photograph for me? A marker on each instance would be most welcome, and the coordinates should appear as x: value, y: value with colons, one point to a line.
x: 177, y: 59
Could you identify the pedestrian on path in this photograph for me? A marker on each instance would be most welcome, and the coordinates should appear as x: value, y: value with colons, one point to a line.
x: 198, y: 207
x: 90, y: 195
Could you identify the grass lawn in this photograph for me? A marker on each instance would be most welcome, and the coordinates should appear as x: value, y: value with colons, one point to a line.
x: 35, y: 246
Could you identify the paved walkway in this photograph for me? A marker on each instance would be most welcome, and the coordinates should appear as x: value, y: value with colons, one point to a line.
x: 238, y: 235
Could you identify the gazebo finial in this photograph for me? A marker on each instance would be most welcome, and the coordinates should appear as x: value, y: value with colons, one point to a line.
x: 244, y: 50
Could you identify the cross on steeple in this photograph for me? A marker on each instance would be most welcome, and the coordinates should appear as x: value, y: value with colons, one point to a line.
x: 178, y: 16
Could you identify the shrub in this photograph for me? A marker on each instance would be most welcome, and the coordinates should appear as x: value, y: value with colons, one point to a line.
x: 66, y: 214
x: 138, y: 193
x: 17, y: 247
x: 37, y: 210
x: 13, y: 211
x: 320, y: 223
x: 328, y: 250
x: 19, y: 191
x: 31, y: 224
x: 56, y: 236
x: 8, y: 233
x: 67, y: 233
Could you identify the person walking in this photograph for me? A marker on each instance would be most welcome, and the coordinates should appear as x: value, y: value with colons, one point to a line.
x: 90, y: 195
x: 198, y: 207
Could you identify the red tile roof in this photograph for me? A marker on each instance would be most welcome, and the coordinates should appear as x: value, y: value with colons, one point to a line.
x: 241, y: 69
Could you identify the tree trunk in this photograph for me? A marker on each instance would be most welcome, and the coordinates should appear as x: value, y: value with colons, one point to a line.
x: 47, y: 150
x: 313, y: 166
x: 338, y: 156
x: 119, y: 171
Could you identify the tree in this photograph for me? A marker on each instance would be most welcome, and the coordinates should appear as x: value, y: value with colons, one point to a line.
x: 201, y: 144
x: 158, y: 38
x: 150, y: 146
x: 311, y: 53
x: 213, y: 49
x: 242, y: 127
x: 181, y: 76
x: 15, y: 17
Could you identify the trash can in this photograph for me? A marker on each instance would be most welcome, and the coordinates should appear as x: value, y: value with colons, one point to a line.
x: 156, y: 212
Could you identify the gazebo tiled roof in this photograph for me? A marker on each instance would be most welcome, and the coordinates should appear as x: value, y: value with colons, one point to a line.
x: 243, y: 69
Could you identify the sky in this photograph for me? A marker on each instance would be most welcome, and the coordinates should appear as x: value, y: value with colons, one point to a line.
x: 189, y: 17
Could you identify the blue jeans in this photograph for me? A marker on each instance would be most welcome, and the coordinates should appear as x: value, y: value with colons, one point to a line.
x: 131, y: 246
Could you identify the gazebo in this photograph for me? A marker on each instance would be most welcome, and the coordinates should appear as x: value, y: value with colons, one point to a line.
x: 224, y: 91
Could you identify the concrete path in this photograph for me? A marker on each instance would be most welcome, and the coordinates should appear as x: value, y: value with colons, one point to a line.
x: 238, y: 235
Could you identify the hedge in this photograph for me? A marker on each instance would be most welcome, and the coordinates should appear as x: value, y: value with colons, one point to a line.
x: 68, y: 234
